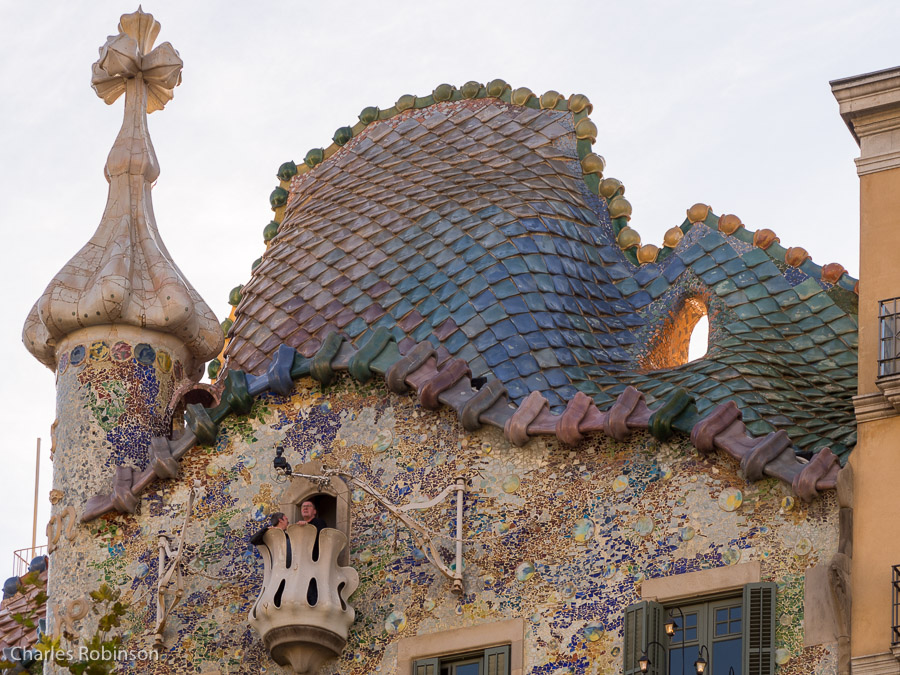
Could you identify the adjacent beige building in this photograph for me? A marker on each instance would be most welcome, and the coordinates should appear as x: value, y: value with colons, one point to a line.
x: 870, y: 105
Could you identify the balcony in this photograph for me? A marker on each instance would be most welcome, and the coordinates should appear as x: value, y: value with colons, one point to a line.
x: 302, y: 613
x: 895, y: 612
x: 888, y: 380
x: 23, y: 557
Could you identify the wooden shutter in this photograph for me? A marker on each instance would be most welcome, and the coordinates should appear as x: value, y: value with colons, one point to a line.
x: 642, y: 624
x: 426, y: 667
x: 496, y: 660
x: 759, y: 629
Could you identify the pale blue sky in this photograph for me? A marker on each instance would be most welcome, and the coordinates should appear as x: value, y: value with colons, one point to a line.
x: 726, y: 103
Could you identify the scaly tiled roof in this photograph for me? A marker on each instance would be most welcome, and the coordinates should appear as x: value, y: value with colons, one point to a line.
x: 30, y: 602
x: 478, y: 219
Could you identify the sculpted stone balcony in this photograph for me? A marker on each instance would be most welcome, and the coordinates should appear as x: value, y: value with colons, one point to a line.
x: 302, y: 613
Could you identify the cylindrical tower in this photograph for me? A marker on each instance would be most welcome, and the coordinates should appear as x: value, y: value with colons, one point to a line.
x: 121, y: 327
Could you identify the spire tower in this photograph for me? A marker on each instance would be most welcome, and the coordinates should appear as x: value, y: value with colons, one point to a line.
x: 119, y: 323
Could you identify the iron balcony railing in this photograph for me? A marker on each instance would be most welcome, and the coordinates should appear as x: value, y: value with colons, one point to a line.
x: 895, y: 593
x: 889, y: 337
x: 22, y: 558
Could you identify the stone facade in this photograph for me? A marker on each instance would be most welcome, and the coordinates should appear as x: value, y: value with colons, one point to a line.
x: 561, y: 538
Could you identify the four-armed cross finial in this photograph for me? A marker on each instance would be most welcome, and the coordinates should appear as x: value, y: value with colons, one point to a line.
x: 128, y: 55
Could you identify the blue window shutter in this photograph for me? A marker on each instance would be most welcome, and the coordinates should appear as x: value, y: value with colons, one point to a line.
x: 426, y: 667
x: 643, y: 623
x: 759, y: 629
x: 496, y: 660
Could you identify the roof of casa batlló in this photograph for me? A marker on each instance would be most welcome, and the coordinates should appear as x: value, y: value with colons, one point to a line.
x: 478, y: 219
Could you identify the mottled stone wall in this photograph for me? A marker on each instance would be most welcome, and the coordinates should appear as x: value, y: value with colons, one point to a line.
x: 561, y: 537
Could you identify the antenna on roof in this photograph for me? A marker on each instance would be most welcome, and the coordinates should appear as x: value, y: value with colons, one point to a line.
x: 37, y: 479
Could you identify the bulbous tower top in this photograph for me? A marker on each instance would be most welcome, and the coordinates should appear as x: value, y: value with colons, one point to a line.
x: 124, y: 276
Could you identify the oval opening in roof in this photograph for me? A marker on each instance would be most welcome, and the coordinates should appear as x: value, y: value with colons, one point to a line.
x: 681, y: 337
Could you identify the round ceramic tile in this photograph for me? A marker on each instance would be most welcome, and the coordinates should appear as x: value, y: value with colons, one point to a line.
x: 395, y: 622
x: 593, y: 632
x: 98, y: 351
x: 525, y: 571
x: 510, y: 484
x: 583, y: 530
x: 620, y: 483
x: 730, y: 499
x: 145, y: 354
x: 77, y: 355
x: 731, y: 556
x: 164, y: 361
x: 643, y: 525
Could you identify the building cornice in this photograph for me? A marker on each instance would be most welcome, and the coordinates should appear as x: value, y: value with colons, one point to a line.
x: 870, y: 106
x: 871, y: 407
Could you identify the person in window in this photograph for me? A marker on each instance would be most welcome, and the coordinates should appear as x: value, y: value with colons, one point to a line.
x: 309, y: 515
x: 277, y: 519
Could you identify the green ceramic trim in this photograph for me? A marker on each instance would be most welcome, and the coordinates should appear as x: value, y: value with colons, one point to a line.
x: 320, y: 368
x: 744, y: 235
x: 675, y: 403
x: 664, y: 253
x: 342, y: 136
x: 234, y: 297
x: 270, y: 230
x: 286, y: 171
x: 226, y: 326
x: 593, y: 182
x: 278, y: 198
x: 368, y: 352
x: 314, y: 156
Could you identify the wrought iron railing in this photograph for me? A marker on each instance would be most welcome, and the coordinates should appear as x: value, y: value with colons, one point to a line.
x: 22, y: 558
x: 895, y: 593
x: 889, y: 337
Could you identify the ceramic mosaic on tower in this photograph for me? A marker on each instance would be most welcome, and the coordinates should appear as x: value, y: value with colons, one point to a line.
x: 561, y: 537
x: 123, y: 389
x: 112, y: 397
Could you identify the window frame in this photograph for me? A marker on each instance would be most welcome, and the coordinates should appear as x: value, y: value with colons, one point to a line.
x: 643, y: 622
x: 464, y: 640
x: 705, y: 610
x: 436, y: 664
